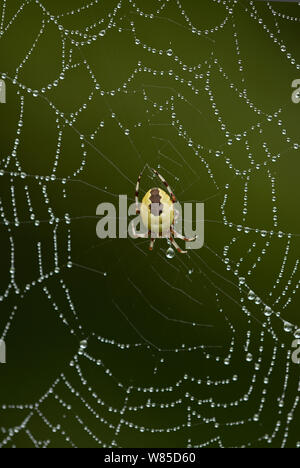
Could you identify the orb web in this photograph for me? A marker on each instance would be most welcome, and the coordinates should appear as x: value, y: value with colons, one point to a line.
x: 150, y: 349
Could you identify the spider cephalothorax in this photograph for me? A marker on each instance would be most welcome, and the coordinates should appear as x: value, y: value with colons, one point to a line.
x: 158, y: 213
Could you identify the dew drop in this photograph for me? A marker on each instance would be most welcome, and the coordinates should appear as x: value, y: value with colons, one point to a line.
x: 297, y: 333
x: 251, y: 296
x: 268, y: 311
x: 83, y: 344
x: 170, y: 253
x: 288, y: 327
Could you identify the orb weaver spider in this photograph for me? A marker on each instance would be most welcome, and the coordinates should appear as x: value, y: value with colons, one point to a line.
x: 158, y: 214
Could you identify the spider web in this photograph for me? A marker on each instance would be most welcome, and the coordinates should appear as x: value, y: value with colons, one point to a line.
x: 109, y: 345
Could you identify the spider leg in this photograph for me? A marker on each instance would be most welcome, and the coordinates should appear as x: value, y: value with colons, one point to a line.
x: 139, y: 236
x: 137, y: 190
x: 166, y: 185
x: 176, y: 215
x: 177, y: 246
x: 179, y: 236
x: 151, y: 244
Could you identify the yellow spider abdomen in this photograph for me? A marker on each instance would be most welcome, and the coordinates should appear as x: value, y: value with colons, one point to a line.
x: 157, y: 211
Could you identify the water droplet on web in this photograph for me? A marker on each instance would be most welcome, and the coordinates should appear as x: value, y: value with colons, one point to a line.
x: 297, y: 333
x: 170, y: 253
x: 268, y: 311
x: 83, y: 344
x: 251, y: 296
x: 249, y: 357
x: 288, y: 327
x: 169, y: 52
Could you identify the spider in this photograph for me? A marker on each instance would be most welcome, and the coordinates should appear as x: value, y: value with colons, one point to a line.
x: 158, y: 214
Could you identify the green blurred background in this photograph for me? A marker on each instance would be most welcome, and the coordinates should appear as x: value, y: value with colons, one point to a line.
x: 125, y: 305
